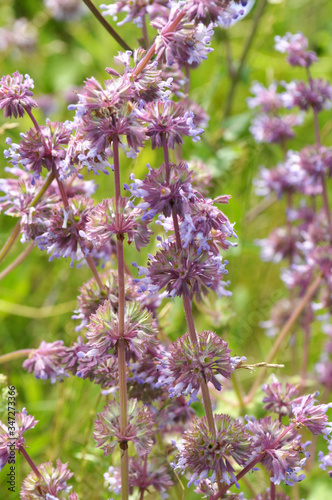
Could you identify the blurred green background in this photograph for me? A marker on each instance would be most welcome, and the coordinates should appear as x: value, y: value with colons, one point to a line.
x: 59, y: 56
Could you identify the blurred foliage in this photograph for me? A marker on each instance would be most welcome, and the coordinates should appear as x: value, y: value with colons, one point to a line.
x: 65, y: 53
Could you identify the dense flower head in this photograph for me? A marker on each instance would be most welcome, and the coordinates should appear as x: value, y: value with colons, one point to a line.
x: 46, y: 361
x: 43, y: 147
x: 103, y: 223
x: 185, y: 365
x: 65, y: 10
x: 168, y: 120
x: 182, y: 42
x: 274, y: 129
x: 62, y: 237
x: 103, y: 331
x: 316, y: 95
x: 101, y: 131
x: 102, y: 370
x: 91, y: 296
x: 280, y: 451
x: 148, y: 85
x: 150, y: 476
x: 266, y: 99
x: 175, y: 415
x: 279, y: 399
x: 15, y: 95
x: 203, y: 454
x: 19, y: 192
x: 312, y: 416
x: 207, y: 11
x: 139, y: 428
x: 14, y: 434
x: 280, y: 313
x: 53, y: 482
x: 183, y: 272
x: 207, y: 226
x: 295, y: 46
x: 161, y: 194
x: 326, y: 460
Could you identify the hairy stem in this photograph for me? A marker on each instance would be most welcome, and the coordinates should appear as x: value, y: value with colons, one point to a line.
x: 121, y: 316
x: 312, y: 289
x: 11, y: 356
x: 106, y: 25
x: 33, y: 119
x: 30, y: 462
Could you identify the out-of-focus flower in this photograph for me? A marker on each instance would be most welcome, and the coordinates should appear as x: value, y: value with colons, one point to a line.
x: 326, y: 460
x: 265, y: 128
x: 65, y: 10
x: 15, y: 95
x: 146, y: 476
x: 139, y: 428
x: 280, y: 450
x: 186, y: 365
x: 202, y: 454
x: 53, y: 482
x: 182, y: 42
x: 316, y: 95
x: 19, y: 35
x: 47, y: 361
x: 295, y: 46
x: 267, y: 99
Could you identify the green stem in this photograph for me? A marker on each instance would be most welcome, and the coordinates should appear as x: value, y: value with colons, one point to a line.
x: 283, y: 334
x: 11, y: 356
x: 17, y: 261
x: 106, y: 25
